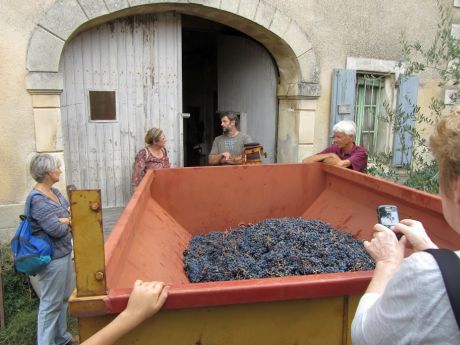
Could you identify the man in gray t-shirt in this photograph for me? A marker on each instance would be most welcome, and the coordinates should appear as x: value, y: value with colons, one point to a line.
x: 228, y: 147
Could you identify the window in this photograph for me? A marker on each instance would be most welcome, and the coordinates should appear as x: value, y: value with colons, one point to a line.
x: 359, y: 93
x: 102, y: 106
x: 368, y: 107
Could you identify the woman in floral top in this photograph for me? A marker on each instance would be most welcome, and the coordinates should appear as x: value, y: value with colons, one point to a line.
x: 153, y: 156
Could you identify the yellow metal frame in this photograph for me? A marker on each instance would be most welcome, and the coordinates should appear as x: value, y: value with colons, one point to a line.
x: 301, y: 322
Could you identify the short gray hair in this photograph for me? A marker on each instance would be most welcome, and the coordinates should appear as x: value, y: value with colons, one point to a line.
x: 41, y: 164
x: 346, y: 127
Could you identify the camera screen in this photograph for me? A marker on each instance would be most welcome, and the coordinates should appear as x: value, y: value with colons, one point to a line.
x: 388, y: 216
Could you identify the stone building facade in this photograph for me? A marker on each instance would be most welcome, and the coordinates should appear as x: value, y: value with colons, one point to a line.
x: 309, y: 42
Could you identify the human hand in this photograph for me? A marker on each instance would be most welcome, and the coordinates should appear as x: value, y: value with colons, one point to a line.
x: 226, y: 156
x: 145, y: 300
x: 332, y: 159
x: 384, y: 246
x: 237, y: 160
x: 415, y: 233
x: 65, y: 220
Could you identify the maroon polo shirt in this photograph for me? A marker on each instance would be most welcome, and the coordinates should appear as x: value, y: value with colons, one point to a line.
x: 357, y: 156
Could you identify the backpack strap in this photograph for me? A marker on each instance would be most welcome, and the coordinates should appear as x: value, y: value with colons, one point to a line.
x: 28, y: 202
x: 449, y: 265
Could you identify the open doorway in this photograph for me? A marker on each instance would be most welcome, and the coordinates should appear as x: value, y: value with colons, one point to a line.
x: 199, y: 87
x: 224, y: 69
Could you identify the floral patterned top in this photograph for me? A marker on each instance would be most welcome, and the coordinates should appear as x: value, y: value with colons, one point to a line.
x: 144, y: 161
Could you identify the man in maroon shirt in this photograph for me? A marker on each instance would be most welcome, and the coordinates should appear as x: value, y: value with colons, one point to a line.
x: 344, y: 152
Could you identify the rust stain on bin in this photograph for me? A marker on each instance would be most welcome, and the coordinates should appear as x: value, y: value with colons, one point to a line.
x: 172, y: 205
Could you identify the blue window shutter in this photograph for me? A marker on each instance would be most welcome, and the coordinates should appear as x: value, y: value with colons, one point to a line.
x: 343, y: 96
x: 406, y: 103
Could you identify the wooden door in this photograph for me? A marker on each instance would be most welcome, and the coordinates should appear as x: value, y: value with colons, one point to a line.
x: 247, y: 80
x: 139, y: 58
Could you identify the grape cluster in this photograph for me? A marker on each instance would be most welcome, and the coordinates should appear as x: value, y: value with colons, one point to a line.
x: 276, y: 247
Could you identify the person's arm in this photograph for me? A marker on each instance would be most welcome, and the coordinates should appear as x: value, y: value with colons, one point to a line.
x: 46, y: 218
x: 415, y: 233
x: 139, y: 168
x: 333, y: 159
x: 388, y: 254
x: 389, y: 317
x: 320, y: 157
x: 216, y: 159
x: 145, y: 300
x: 358, y: 160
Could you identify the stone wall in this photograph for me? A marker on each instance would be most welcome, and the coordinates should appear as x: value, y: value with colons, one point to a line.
x: 307, y: 38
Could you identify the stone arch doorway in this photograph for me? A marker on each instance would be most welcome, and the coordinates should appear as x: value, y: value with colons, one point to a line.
x: 279, y: 34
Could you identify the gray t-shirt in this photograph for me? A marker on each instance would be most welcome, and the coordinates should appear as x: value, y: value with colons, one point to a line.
x: 414, y: 308
x: 234, y: 145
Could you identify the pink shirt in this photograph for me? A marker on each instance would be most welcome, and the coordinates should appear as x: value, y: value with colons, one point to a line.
x: 357, y: 156
x: 144, y: 161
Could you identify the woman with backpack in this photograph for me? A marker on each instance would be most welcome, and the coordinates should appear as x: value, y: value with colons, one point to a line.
x: 49, y: 215
x: 152, y: 156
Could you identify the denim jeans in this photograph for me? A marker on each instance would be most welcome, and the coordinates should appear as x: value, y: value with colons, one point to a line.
x: 56, y: 285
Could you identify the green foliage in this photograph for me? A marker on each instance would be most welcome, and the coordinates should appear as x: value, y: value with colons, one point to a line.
x: 443, y: 58
x: 425, y: 179
x: 20, y: 304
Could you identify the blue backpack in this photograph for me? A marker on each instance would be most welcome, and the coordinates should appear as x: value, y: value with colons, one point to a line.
x: 31, y: 253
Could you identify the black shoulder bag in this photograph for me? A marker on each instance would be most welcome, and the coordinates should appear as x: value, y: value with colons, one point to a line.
x: 449, y: 264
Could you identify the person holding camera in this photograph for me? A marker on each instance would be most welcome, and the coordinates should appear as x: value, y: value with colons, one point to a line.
x: 406, y: 301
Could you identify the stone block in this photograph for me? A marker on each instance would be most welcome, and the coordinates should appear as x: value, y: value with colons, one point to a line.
x: 94, y: 8
x: 133, y: 3
x: 48, y: 133
x: 116, y: 5
x: 63, y: 18
x: 306, y: 127
x: 43, y: 82
x: 208, y: 3
x: 309, y: 67
x: 374, y: 65
x: 299, y: 90
x: 307, y: 104
x: 248, y: 8
x: 297, y: 39
x: 456, y: 3
x: 44, y: 51
x: 280, y: 23
x: 264, y: 14
x: 305, y: 150
x: 230, y: 5
x: 9, y: 215
x: 6, y: 234
x: 288, y: 129
x: 46, y: 101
